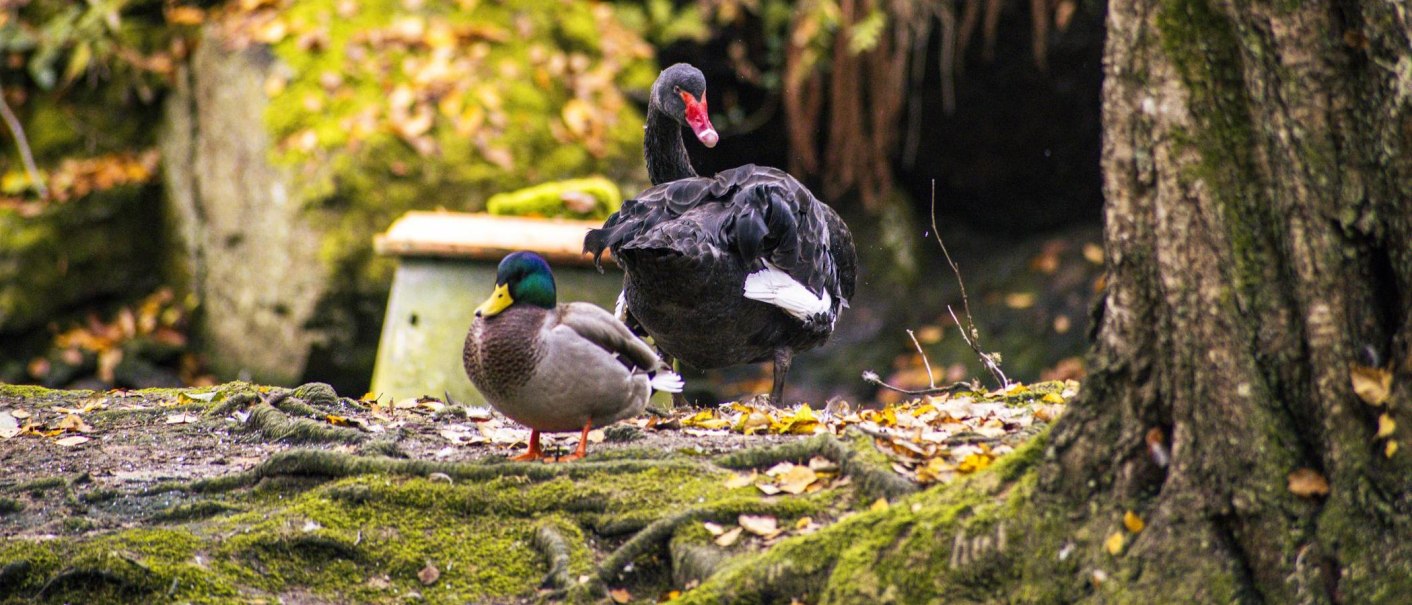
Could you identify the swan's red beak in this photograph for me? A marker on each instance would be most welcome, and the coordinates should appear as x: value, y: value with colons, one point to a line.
x: 698, y: 120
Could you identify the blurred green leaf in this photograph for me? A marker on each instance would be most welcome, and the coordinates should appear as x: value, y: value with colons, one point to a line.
x: 865, y: 34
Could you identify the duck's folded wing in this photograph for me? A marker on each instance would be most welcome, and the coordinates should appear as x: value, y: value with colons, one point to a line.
x: 602, y: 329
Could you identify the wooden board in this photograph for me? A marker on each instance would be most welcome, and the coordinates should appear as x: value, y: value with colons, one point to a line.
x: 485, y: 237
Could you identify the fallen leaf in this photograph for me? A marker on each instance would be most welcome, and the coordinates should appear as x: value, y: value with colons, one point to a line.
x: 9, y: 426
x: 714, y: 529
x: 760, y: 525
x: 620, y: 595
x: 72, y: 441
x: 803, y: 522
x: 1114, y: 543
x: 429, y: 574
x: 1052, y: 398
x: 768, y: 489
x: 737, y: 481
x: 182, y: 418
x: 1390, y: 449
x: 1020, y: 300
x: 1370, y: 384
x: 796, y: 479
x: 337, y: 420
x: 21, y: 414
x: 1386, y: 425
x: 1307, y: 482
x: 74, y: 423
x: 1133, y: 522
x: 730, y: 537
x: 879, y: 504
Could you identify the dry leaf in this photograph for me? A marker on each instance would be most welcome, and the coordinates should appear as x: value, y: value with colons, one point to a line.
x: 768, y: 489
x: 1370, y: 384
x: 72, y: 441
x: 737, y: 481
x: 1390, y: 449
x: 879, y: 504
x: 1020, y: 300
x: 803, y: 522
x: 620, y: 595
x: 1386, y: 425
x: 730, y: 537
x: 714, y: 529
x: 74, y: 423
x: 1133, y: 522
x: 760, y: 525
x: 182, y: 418
x: 429, y: 574
x: 1114, y: 543
x: 9, y: 426
x: 1307, y: 482
x: 1052, y: 398
x: 796, y: 479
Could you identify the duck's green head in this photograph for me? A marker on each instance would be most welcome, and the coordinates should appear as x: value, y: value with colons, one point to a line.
x: 523, y: 277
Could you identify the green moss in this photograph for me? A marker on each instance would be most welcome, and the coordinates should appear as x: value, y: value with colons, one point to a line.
x: 553, y: 199
x: 10, y: 505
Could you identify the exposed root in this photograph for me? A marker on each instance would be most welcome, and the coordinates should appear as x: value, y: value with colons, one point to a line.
x: 321, y: 464
x: 278, y: 426
x: 555, y: 549
x: 193, y: 511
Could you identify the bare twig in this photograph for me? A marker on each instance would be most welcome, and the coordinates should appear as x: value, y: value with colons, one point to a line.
x: 872, y: 377
x: 18, y: 131
x: 931, y: 380
x: 974, y: 336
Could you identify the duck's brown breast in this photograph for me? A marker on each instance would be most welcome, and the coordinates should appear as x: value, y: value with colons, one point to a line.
x: 502, y: 351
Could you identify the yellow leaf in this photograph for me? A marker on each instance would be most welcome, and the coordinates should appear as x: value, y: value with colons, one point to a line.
x: 760, y: 525
x: 1093, y: 253
x: 185, y: 15
x: 1370, y: 384
x: 1133, y: 522
x: 1386, y: 425
x: 337, y: 420
x: 671, y: 595
x: 730, y: 537
x: 1114, y: 543
x: 796, y: 479
x: 74, y: 423
x: 620, y: 595
x: 1018, y: 388
x: 1052, y: 398
x: 803, y: 522
x: 879, y: 504
x: 737, y: 481
x: 973, y: 462
x: 1307, y: 482
x: 1390, y: 449
x: 705, y: 419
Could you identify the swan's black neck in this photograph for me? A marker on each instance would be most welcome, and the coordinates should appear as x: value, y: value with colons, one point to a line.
x: 666, y: 154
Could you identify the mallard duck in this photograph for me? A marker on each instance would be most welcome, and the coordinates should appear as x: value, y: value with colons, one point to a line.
x: 553, y: 367
x: 743, y: 267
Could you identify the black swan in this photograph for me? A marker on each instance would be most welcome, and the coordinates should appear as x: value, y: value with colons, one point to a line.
x: 743, y: 267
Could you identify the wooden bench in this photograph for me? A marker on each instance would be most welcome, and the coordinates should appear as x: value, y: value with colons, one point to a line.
x: 446, y: 264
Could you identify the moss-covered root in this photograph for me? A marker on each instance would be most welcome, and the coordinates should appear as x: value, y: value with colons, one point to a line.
x: 960, y: 540
x: 279, y: 426
x: 549, y: 542
x: 855, y: 455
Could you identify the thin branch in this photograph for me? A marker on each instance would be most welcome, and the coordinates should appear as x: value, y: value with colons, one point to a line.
x: 931, y: 380
x: 872, y: 377
x: 18, y: 131
x: 970, y: 326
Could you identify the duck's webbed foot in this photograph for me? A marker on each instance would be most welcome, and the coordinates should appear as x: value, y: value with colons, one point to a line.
x: 533, y: 453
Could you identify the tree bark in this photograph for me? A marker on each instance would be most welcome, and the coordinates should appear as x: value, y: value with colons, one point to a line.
x: 1259, y: 196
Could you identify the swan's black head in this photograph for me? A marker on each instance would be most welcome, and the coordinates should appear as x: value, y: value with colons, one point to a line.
x: 523, y: 277
x: 680, y: 92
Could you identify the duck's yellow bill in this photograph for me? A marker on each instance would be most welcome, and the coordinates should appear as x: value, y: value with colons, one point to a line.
x: 498, y: 301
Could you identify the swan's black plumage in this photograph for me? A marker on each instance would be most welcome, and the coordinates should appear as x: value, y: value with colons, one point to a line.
x: 688, y: 245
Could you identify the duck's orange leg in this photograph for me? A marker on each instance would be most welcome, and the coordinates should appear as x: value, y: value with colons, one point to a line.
x: 583, y: 444
x: 533, y: 453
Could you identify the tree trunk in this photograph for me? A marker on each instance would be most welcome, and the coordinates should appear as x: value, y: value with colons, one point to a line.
x: 1258, y: 172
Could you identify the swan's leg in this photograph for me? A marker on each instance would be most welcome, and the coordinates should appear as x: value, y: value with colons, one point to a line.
x: 784, y: 356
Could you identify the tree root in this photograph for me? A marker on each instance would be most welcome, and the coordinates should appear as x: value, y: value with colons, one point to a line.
x: 555, y: 549
x: 278, y: 426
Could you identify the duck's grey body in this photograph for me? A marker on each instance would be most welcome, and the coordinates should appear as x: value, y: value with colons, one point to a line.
x: 556, y: 370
